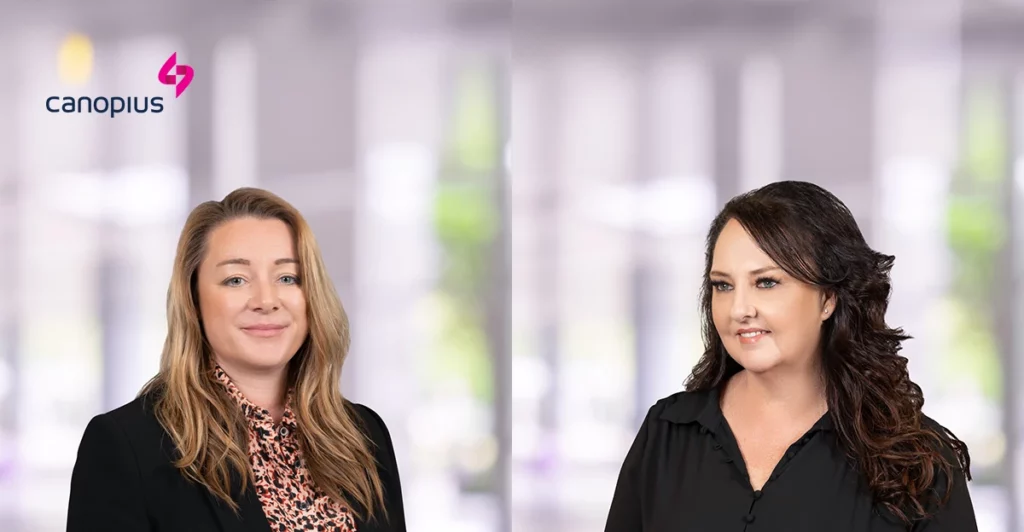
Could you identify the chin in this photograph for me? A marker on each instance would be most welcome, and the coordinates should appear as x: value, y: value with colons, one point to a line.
x: 755, y: 361
x: 758, y: 366
x: 267, y: 360
x: 276, y: 359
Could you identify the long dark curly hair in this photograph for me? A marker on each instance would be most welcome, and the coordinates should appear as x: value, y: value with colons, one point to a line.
x: 874, y: 405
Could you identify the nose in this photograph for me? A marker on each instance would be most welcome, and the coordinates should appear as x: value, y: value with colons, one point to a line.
x: 742, y: 307
x: 264, y: 297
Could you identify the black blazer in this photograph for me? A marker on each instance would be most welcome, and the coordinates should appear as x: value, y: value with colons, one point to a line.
x: 124, y: 481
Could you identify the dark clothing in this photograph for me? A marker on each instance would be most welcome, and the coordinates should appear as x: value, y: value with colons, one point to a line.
x: 684, y: 473
x: 124, y: 481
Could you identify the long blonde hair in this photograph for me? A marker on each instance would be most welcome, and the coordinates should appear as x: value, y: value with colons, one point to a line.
x: 206, y: 425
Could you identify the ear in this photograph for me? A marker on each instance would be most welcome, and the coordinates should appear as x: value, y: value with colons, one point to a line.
x: 828, y: 305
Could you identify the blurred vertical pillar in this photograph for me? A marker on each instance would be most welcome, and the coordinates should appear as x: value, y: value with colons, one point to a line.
x: 398, y: 118
x: 116, y: 275
x: 499, y: 319
x: 918, y: 111
x: 138, y: 158
x: 533, y: 202
x: 1011, y: 308
x: 57, y: 388
x: 235, y: 111
x: 828, y: 112
x: 647, y: 311
x: 119, y: 307
x: 671, y: 172
x: 200, y: 41
x: 145, y: 189
x: 305, y: 129
x: 548, y: 213
x: 10, y: 244
x: 675, y: 126
x: 761, y: 115
x: 726, y: 93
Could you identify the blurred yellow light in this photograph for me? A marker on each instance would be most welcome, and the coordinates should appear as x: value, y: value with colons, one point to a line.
x: 74, y: 61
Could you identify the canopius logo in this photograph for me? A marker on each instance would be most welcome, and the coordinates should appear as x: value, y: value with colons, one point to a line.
x: 185, y: 71
x: 171, y: 73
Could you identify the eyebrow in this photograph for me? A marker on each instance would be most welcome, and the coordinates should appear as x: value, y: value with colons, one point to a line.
x: 758, y: 271
x: 245, y: 262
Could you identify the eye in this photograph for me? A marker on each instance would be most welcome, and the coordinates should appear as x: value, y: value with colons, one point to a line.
x: 767, y: 282
x: 720, y: 286
x: 289, y: 279
x: 233, y: 281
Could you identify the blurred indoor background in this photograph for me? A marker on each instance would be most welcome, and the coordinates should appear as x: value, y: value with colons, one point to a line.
x: 384, y: 123
x: 512, y: 331
x: 633, y: 122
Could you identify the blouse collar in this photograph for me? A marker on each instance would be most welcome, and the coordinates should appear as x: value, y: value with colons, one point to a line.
x: 255, y: 415
x: 704, y: 407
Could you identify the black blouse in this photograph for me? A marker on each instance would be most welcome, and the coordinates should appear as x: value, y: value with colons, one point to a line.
x: 684, y: 473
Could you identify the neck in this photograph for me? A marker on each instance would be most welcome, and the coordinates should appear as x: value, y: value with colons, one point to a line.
x: 788, y: 393
x: 264, y: 387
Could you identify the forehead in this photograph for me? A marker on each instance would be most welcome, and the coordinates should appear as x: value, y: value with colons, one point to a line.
x: 250, y: 238
x: 737, y: 250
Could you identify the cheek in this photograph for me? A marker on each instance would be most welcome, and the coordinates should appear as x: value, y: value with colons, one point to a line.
x: 795, y: 321
x: 210, y: 306
x: 720, y: 317
x: 719, y: 310
x: 217, y: 317
x: 295, y: 302
x: 301, y: 328
x: 218, y: 308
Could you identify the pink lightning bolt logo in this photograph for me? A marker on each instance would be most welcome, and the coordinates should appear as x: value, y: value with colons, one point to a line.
x: 185, y: 71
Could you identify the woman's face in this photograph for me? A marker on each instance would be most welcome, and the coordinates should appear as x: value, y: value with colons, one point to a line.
x: 252, y: 305
x: 765, y: 317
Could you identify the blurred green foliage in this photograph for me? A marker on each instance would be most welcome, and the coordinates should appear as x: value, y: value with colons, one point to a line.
x: 466, y: 223
x: 976, y: 233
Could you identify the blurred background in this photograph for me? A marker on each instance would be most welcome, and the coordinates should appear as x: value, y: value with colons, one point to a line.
x: 634, y: 122
x: 515, y: 311
x: 385, y: 123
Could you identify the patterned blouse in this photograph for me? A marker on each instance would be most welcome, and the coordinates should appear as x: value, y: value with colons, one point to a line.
x: 289, y: 499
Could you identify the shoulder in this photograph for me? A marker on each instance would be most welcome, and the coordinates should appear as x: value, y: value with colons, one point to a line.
x: 947, y: 444
x: 950, y: 448
x: 684, y: 407
x: 132, y: 426
x: 682, y: 410
x: 374, y: 428
x: 930, y: 423
x: 138, y: 418
x: 372, y: 424
x: 135, y: 413
x: 948, y: 501
x: 130, y: 419
x: 381, y: 446
x: 668, y: 419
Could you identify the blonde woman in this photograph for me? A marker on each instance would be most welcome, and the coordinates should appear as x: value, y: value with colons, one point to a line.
x: 244, y: 428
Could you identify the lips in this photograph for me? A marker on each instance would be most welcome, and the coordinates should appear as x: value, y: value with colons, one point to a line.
x: 264, y: 327
x: 264, y: 330
x: 751, y: 336
x: 752, y: 331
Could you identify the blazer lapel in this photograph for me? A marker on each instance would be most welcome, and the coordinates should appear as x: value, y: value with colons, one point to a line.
x: 251, y: 511
x: 250, y: 516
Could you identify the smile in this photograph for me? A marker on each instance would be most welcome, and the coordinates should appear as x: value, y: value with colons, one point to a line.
x: 263, y: 331
x: 752, y: 337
